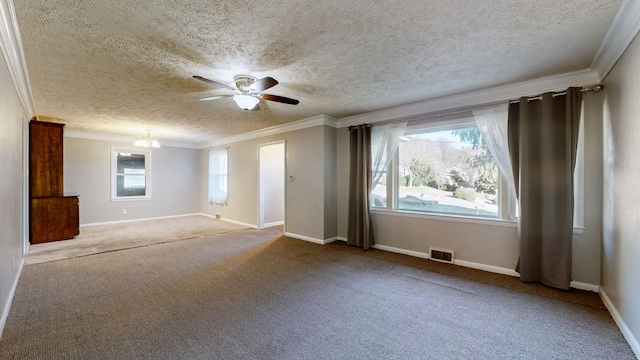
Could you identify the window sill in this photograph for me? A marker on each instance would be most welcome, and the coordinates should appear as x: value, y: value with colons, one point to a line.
x: 131, y: 198
x: 458, y: 219
x: 448, y: 217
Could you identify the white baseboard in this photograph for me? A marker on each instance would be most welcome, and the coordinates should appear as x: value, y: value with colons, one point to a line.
x: 275, y: 223
x: 478, y: 266
x: 585, y: 286
x: 310, y: 239
x: 230, y: 221
x: 330, y: 240
x: 400, y: 251
x: 506, y: 271
x: 484, y: 267
x: 626, y: 332
x: 7, y: 306
x: 135, y: 220
x: 169, y: 217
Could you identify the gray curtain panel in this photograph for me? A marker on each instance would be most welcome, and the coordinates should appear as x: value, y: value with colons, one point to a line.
x: 543, y: 136
x: 360, y: 233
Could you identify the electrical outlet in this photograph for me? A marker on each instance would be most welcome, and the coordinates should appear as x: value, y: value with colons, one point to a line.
x: 124, y: 211
x: 13, y: 263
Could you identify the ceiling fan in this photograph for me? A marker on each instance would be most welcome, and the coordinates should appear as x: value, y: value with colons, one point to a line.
x: 248, y: 91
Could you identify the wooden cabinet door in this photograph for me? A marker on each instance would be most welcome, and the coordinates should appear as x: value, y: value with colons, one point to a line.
x: 46, y: 166
x: 54, y: 219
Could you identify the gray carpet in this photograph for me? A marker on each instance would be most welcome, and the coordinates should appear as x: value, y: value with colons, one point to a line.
x: 104, y: 238
x: 253, y: 295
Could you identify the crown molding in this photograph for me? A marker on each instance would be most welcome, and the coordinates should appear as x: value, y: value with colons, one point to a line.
x: 278, y: 129
x: 124, y: 139
x: 623, y: 29
x: 97, y: 136
x: 477, y: 98
x: 320, y: 120
x: 11, y: 44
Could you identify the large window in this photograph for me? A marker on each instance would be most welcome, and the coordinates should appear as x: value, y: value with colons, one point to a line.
x: 218, y: 177
x: 444, y: 169
x: 130, y: 174
x: 447, y: 171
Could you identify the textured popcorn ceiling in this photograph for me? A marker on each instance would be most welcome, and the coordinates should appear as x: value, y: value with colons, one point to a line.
x: 121, y: 66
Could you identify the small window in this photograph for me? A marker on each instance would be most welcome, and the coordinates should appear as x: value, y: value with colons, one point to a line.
x: 218, y: 167
x: 130, y: 174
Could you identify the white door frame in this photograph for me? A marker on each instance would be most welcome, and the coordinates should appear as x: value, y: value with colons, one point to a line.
x: 260, y: 199
x: 26, y: 201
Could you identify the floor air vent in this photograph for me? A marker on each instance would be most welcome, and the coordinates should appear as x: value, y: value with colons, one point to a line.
x: 441, y: 255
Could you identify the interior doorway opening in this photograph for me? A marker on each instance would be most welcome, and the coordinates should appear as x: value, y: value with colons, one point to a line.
x: 271, y: 187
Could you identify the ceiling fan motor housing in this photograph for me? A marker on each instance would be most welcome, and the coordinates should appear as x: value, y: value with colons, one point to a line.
x: 243, y: 82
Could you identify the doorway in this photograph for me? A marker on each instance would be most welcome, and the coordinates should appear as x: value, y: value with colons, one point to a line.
x: 271, y: 187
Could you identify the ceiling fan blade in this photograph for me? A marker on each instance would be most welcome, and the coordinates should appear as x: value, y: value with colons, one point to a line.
x: 281, y: 99
x: 214, y: 83
x: 216, y: 97
x: 263, y: 84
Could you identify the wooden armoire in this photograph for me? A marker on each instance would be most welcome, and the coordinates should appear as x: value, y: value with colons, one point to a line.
x: 53, y: 216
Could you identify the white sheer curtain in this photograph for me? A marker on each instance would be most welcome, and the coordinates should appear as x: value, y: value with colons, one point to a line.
x: 493, y: 124
x: 384, y: 143
x: 218, y: 176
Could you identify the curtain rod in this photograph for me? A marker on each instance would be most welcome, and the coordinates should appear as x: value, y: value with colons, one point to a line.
x: 355, y: 126
x: 584, y: 89
x: 595, y: 88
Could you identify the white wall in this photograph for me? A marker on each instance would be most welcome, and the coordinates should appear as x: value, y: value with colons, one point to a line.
x: 587, y: 246
x: 272, y: 178
x: 487, y: 243
x: 621, y: 215
x: 175, y: 176
x: 330, y: 182
x: 12, y: 120
x: 306, y: 196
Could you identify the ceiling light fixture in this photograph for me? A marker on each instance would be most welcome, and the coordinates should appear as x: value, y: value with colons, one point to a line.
x: 246, y: 102
x: 147, y: 140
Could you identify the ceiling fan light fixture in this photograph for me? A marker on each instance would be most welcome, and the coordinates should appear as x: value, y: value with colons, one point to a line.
x: 248, y: 91
x: 147, y: 140
x: 246, y: 102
